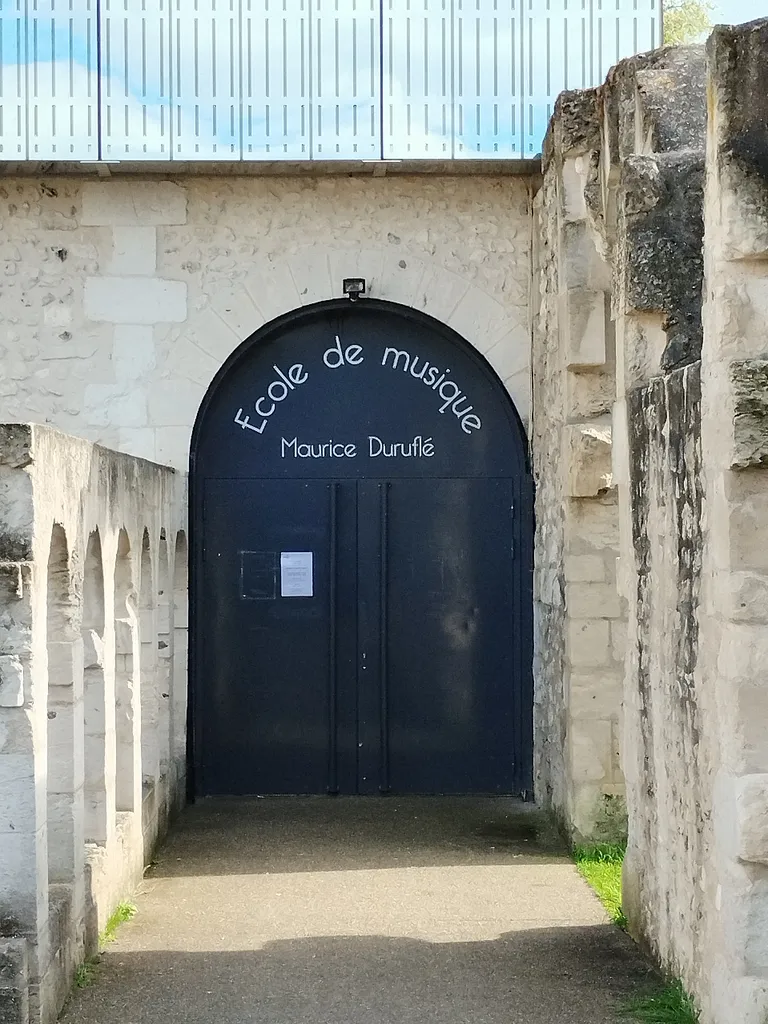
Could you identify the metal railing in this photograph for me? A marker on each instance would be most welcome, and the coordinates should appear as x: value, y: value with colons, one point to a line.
x: 192, y: 80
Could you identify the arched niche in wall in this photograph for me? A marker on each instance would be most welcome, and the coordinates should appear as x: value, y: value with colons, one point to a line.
x: 164, y: 654
x: 97, y: 798
x: 127, y: 698
x: 65, y: 730
x: 150, y: 754
x: 180, y: 648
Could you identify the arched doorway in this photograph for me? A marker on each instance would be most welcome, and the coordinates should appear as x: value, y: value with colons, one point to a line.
x: 361, y: 563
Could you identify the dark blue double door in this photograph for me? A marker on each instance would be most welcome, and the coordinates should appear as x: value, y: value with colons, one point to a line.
x: 363, y: 636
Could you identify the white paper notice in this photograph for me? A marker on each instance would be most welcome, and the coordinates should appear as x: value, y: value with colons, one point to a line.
x: 296, y: 574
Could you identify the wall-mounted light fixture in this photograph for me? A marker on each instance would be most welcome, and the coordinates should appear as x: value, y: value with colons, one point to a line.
x: 354, y: 287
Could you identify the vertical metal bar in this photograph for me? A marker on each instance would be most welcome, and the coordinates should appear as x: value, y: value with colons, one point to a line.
x: 333, y: 772
x: 383, y: 639
x: 99, y: 135
x: 381, y: 79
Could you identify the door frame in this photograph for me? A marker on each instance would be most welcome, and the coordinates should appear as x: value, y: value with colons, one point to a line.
x: 195, y: 550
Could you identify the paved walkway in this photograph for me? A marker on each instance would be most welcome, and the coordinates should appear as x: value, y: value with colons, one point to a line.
x: 367, y: 911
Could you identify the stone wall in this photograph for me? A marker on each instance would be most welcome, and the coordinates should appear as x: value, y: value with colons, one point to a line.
x: 673, y: 193
x: 580, y: 622
x: 92, y: 697
x: 734, y: 627
x: 657, y: 106
x: 123, y: 297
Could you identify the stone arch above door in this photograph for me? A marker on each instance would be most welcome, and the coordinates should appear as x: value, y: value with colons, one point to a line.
x: 496, y: 326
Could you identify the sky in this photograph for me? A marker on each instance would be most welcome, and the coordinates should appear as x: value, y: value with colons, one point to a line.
x: 735, y: 11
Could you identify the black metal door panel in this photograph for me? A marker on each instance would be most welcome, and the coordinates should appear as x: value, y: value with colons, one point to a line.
x: 448, y: 644
x: 267, y: 656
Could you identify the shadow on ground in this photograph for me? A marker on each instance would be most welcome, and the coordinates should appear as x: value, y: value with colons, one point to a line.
x: 364, y: 911
x: 540, y: 976
x: 242, y: 836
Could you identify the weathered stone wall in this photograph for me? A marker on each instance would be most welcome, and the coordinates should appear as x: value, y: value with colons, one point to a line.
x: 92, y: 696
x: 122, y: 298
x: 580, y: 621
x: 657, y: 106
x: 674, y: 177
x: 734, y: 629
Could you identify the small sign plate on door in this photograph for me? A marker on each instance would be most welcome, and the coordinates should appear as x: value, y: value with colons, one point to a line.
x: 296, y: 574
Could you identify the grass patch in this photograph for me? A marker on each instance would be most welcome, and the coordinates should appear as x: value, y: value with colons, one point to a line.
x: 88, y: 971
x: 85, y: 974
x: 600, y: 865
x: 672, y: 1005
x: 123, y: 912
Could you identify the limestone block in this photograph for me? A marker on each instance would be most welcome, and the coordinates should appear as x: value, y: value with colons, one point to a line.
x: 748, y: 517
x: 138, y: 441
x: 592, y: 525
x: 132, y: 300
x: 548, y: 586
x: 401, y: 274
x: 619, y: 639
x: 312, y: 276
x: 672, y: 105
x: 572, y: 177
x: 592, y: 601
x: 742, y: 656
x: 661, y: 257
x: 749, y: 384
x: 93, y: 649
x: 143, y: 203
x: 124, y: 634
x: 237, y: 310
x: 588, y: 643
x: 66, y: 732
x: 134, y: 251
x: 595, y: 695
x: 751, y: 809
x: 582, y: 319
x: 519, y: 388
x: 481, y: 319
x: 737, y: 74
x: 742, y: 999
x: 575, y: 124
x: 14, y: 982
x: 585, y: 806
x: 273, y: 290
x: 60, y: 665
x: 742, y: 224
x: 172, y: 446
x: 742, y: 596
x: 511, y: 354
x: 18, y: 806
x: 588, y: 457
x: 20, y: 882
x: 211, y: 334
x: 590, y: 395
x: 438, y: 294
x: 584, y: 568
x: 581, y: 268
x: 134, y: 353
x: 590, y: 750
x: 180, y: 609
x: 175, y: 403
x: 147, y: 625
x: 11, y: 681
